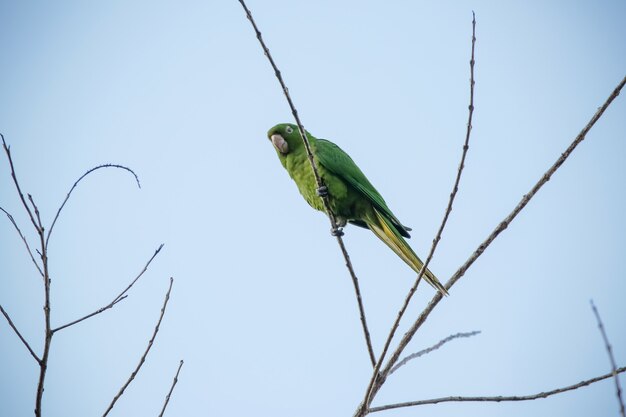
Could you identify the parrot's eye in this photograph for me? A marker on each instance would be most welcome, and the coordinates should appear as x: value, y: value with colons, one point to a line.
x: 289, y: 130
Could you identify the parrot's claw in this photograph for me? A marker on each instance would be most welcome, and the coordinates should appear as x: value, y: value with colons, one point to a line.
x: 337, y: 232
x: 322, y: 191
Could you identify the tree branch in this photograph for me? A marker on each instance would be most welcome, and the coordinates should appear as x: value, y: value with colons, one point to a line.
x: 17, y: 332
x: 43, y: 252
x: 7, y: 150
x: 76, y: 184
x: 499, y: 398
x: 373, y: 384
x: 501, y: 226
x: 45, y: 274
x: 320, y: 184
x: 145, y: 354
x: 609, y: 350
x: 121, y: 296
x: 169, y: 394
x: 19, y: 232
x: 430, y: 349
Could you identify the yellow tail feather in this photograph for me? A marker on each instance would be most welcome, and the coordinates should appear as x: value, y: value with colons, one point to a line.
x: 385, y: 231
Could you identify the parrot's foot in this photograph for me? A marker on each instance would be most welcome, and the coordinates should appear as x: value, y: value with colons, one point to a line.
x: 337, y: 232
x: 322, y: 191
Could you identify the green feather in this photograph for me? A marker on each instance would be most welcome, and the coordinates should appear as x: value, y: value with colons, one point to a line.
x: 352, y: 196
x: 335, y: 160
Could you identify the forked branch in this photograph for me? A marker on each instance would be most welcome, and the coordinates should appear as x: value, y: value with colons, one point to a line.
x: 501, y: 227
x: 378, y: 379
x: 504, y: 223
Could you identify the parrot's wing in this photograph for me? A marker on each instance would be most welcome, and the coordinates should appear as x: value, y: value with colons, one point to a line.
x: 335, y: 160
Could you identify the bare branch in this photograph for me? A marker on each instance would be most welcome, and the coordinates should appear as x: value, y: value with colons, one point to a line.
x: 609, y: 350
x: 430, y: 349
x: 499, y: 398
x: 19, y: 232
x: 145, y: 354
x: 375, y: 375
x: 121, y: 296
x: 169, y: 394
x: 17, y: 332
x: 359, y: 300
x: 7, y: 150
x: 320, y: 184
x: 43, y: 364
x: 76, y: 184
x: 503, y: 225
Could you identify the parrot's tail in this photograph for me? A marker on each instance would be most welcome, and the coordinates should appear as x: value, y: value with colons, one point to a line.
x: 386, y: 232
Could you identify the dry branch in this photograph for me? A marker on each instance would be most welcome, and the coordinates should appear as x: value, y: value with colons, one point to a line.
x: 67, y: 197
x: 377, y: 379
x: 7, y: 150
x: 42, y: 251
x: 19, y: 232
x: 145, y: 354
x: 320, y: 185
x: 498, y: 398
x: 121, y: 296
x: 609, y: 351
x: 169, y: 394
x: 502, y: 225
x: 430, y: 349
x: 17, y: 332
x: 43, y: 270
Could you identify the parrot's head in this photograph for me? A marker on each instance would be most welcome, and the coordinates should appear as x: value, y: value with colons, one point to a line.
x: 285, y: 137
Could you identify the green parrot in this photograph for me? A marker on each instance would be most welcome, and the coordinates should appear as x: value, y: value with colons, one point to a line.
x: 353, y: 199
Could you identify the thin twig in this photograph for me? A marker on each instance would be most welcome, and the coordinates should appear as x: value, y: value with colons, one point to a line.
x: 430, y: 349
x: 169, y: 394
x: 501, y: 226
x: 121, y: 296
x: 143, y: 357
x: 497, y: 398
x: 17, y: 185
x: 32, y: 258
x: 318, y: 180
x: 17, y: 332
x: 76, y: 183
x: 609, y: 350
x: 377, y: 379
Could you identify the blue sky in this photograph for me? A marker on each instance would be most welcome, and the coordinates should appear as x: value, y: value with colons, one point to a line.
x: 262, y: 309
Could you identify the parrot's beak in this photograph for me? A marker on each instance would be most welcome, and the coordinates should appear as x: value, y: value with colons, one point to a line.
x: 279, y: 143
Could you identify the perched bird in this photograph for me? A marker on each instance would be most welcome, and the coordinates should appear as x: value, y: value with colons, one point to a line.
x: 351, y: 196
